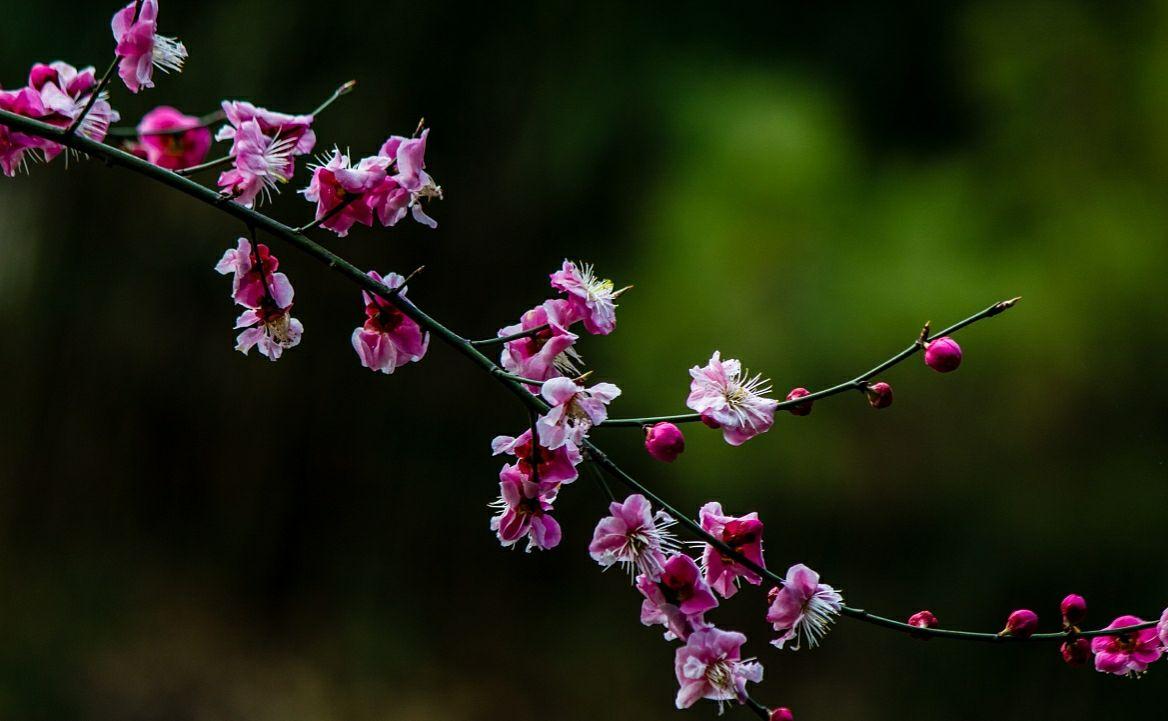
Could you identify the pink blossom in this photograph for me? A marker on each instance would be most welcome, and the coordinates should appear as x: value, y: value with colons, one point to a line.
x: 260, y: 164
x: 546, y: 354
x: 336, y: 183
x: 389, y: 338
x: 297, y: 129
x: 15, y: 145
x: 574, y: 411
x: 803, y: 609
x: 1021, y: 624
x: 410, y: 185
x: 678, y: 600
x: 140, y: 48
x: 710, y: 665
x: 742, y: 534
x: 733, y: 400
x: 168, y: 149
x: 664, y: 441
x: 633, y: 536
x: 1074, y: 610
x: 558, y: 466
x: 592, y: 299
x: 1127, y: 654
x: 943, y: 354
x: 65, y: 92
x: 248, y: 288
x: 523, y: 507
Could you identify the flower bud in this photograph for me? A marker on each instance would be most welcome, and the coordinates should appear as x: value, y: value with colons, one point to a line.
x: 943, y: 354
x: 803, y: 408
x: 1074, y: 608
x: 782, y: 714
x: 1020, y: 624
x: 664, y: 442
x: 1076, y: 652
x: 922, y: 619
x: 879, y: 394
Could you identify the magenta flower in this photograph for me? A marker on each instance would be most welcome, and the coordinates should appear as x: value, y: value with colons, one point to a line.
x: 678, y: 600
x: 248, y: 288
x: 261, y: 164
x: 731, y: 400
x: 141, y: 49
x: 297, y: 129
x: 1127, y: 654
x: 336, y: 183
x: 523, y: 507
x: 803, y: 609
x: 664, y: 441
x: 15, y: 146
x: 409, y: 186
x: 1076, y: 652
x: 546, y: 354
x: 65, y: 91
x: 710, y: 665
x: 633, y: 536
x: 388, y: 339
x: 574, y: 411
x: 1021, y: 624
x: 943, y: 354
x: 742, y: 534
x: 166, y: 149
x: 558, y: 466
x: 1074, y: 610
x: 592, y: 299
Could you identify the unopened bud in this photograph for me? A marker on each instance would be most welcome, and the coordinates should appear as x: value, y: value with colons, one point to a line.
x: 1021, y: 624
x: 1074, y: 608
x: 801, y: 409
x: 943, y: 354
x: 782, y: 714
x: 664, y: 442
x: 922, y: 619
x: 1076, y: 652
x: 879, y: 394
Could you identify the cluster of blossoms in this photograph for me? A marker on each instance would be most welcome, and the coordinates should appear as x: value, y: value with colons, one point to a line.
x: 266, y: 297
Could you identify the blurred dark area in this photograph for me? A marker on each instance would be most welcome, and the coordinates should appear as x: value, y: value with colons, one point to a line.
x: 190, y: 534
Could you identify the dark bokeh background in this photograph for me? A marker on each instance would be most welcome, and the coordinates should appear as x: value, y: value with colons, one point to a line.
x: 186, y: 533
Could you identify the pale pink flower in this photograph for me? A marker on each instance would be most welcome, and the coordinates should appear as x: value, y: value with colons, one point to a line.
x: 523, y: 508
x: 803, y: 609
x: 15, y: 146
x: 731, y: 400
x: 171, y: 150
x: 546, y: 354
x: 678, y: 600
x: 337, y: 182
x: 710, y: 665
x: 574, y: 411
x: 558, y: 466
x: 592, y: 299
x: 261, y: 164
x: 248, y: 287
x: 742, y: 534
x: 389, y: 338
x: 1127, y: 654
x: 406, y: 189
x: 141, y: 49
x: 65, y: 91
x: 633, y: 536
x: 297, y: 129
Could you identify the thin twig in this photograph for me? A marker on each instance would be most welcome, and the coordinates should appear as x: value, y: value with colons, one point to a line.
x: 514, y: 336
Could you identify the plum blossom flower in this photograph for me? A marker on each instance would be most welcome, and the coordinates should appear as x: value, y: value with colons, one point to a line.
x: 574, y: 411
x: 248, y: 287
x: 523, y: 511
x: 1162, y: 629
x: 267, y: 298
x: 732, y: 400
x: 406, y: 189
x: 710, y: 665
x: 536, y: 462
x: 294, y: 128
x: 65, y: 91
x: 1127, y: 654
x: 168, y: 149
x: 803, y: 608
x: 389, y: 338
x: 592, y: 299
x: 678, y: 600
x: 546, y: 354
x: 15, y: 146
x: 140, y: 48
x: 260, y: 164
x: 742, y: 534
x: 337, y: 188
x: 633, y: 536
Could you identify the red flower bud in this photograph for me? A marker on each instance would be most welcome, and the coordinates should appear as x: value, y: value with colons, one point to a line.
x: 803, y: 408
x: 1074, y: 608
x: 782, y: 714
x: 922, y: 619
x: 943, y: 354
x: 879, y: 394
x: 1076, y: 652
x: 664, y: 442
x: 1020, y: 624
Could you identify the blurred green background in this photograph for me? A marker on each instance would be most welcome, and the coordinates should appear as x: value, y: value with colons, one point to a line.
x: 186, y: 533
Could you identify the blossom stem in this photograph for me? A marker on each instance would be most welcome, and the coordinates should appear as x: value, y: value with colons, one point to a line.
x: 205, y: 121
x: 514, y: 336
x: 209, y: 165
x: 105, y: 79
x: 859, y: 383
x: 516, y: 385
x: 761, y: 711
